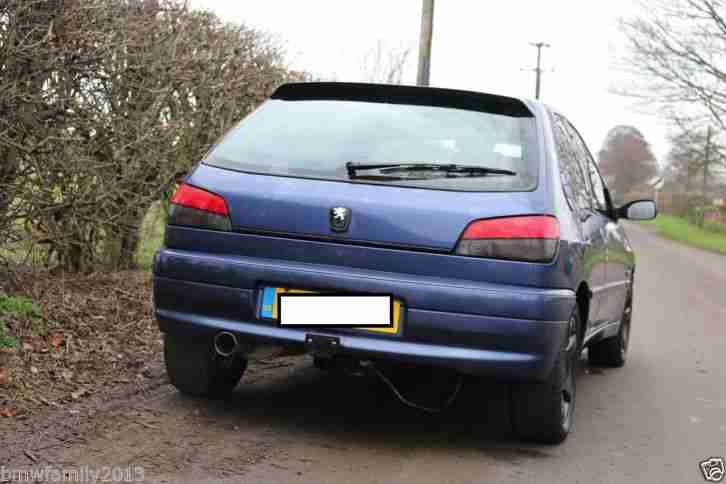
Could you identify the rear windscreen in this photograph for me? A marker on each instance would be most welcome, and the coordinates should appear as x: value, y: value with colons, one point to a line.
x: 315, y: 139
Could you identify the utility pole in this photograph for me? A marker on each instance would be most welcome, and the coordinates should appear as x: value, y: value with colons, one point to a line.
x: 424, y: 48
x: 538, y: 69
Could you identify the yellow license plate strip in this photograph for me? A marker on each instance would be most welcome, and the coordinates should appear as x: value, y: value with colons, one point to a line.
x: 270, y: 310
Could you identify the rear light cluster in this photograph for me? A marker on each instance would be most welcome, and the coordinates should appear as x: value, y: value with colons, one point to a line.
x: 199, y: 208
x: 532, y: 238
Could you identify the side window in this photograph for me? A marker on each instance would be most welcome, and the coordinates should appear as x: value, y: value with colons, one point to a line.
x: 589, y: 167
x: 598, y: 186
x: 577, y: 187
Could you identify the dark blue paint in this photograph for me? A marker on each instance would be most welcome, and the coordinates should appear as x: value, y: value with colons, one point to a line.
x: 384, y: 214
x: 500, y: 318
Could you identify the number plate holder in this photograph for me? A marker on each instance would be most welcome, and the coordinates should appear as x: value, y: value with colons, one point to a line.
x: 321, y: 345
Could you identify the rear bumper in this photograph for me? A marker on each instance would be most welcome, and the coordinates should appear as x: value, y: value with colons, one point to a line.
x: 505, y: 332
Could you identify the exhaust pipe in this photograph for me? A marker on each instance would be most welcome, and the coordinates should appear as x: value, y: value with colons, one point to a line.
x: 226, y: 344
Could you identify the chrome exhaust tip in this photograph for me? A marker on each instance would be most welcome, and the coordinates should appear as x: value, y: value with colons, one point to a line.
x: 226, y: 344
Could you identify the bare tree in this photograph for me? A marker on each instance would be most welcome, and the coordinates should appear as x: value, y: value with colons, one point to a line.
x: 383, y: 64
x: 27, y: 111
x: 102, y: 103
x: 676, y: 52
x: 697, y: 159
x: 683, y: 160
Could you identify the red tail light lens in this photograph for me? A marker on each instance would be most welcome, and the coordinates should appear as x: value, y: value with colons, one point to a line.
x: 193, y: 197
x: 532, y: 238
x: 199, y: 208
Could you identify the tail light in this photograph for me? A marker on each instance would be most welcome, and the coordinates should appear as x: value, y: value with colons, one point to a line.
x: 532, y: 238
x: 199, y: 208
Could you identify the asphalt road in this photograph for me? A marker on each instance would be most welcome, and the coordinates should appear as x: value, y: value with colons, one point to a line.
x: 652, y: 421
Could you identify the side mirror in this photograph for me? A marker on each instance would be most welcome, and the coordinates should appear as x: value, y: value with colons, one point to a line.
x: 638, y: 210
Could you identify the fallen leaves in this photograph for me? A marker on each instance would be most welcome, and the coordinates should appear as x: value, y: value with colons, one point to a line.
x: 79, y: 393
x: 87, y: 321
x: 56, y: 339
x: 45, y: 401
x: 8, y: 412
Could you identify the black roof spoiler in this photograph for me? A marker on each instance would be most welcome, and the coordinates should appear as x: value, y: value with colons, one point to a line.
x: 397, y: 94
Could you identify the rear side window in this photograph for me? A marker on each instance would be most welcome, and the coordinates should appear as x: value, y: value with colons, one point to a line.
x: 598, y: 186
x: 574, y: 178
x: 315, y: 139
x: 589, y: 168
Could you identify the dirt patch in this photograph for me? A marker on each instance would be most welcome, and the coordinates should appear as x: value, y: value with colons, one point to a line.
x: 75, y: 337
x: 148, y: 426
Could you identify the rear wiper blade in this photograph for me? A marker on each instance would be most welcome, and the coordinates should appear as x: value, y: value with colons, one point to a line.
x: 353, y: 168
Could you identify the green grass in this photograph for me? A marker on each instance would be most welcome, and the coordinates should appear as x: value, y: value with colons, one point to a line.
x: 681, y: 230
x: 14, y: 306
x: 6, y: 341
x: 715, y: 227
x: 152, y: 235
x: 18, y: 306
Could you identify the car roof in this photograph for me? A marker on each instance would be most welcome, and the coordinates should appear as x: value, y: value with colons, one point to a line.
x: 403, y: 94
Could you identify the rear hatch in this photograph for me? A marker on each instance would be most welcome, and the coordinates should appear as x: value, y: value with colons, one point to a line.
x: 387, y: 216
x: 285, y: 169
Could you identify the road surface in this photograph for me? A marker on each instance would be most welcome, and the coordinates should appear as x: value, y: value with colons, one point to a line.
x: 652, y: 421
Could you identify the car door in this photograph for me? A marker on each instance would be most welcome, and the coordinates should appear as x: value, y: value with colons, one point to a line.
x: 618, y: 260
x: 614, y: 237
x: 619, y: 270
x: 579, y: 193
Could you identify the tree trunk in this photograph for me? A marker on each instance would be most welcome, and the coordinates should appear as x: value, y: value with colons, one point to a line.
x: 8, y: 169
x: 129, y: 245
x: 129, y: 238
x: 71, y: 258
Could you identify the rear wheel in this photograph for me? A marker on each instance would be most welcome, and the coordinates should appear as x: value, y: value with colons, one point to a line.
x: 544, y: 412
x: 614, y: 351
x: 195, y: 369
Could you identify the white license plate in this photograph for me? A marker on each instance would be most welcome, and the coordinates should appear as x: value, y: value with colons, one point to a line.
x: 335, y: 310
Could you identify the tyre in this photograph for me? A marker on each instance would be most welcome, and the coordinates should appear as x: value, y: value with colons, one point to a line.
x: 614, y: 351
x: 195, y: 369
x: 544, y: 412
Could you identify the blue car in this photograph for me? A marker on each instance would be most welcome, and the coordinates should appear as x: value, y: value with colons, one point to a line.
x: 397, y: 225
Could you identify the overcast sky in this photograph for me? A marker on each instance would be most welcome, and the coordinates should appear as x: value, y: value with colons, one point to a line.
x: 478, y: 45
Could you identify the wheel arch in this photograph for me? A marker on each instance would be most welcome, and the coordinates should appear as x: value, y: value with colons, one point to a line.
x: 583, y: 296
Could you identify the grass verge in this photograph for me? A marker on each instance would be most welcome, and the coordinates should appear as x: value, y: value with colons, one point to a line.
x: 152, y: 236
x: 14, y: 306
x: 681, y: 230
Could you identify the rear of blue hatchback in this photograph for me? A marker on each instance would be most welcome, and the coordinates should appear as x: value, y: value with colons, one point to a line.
x: 442, y: 200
